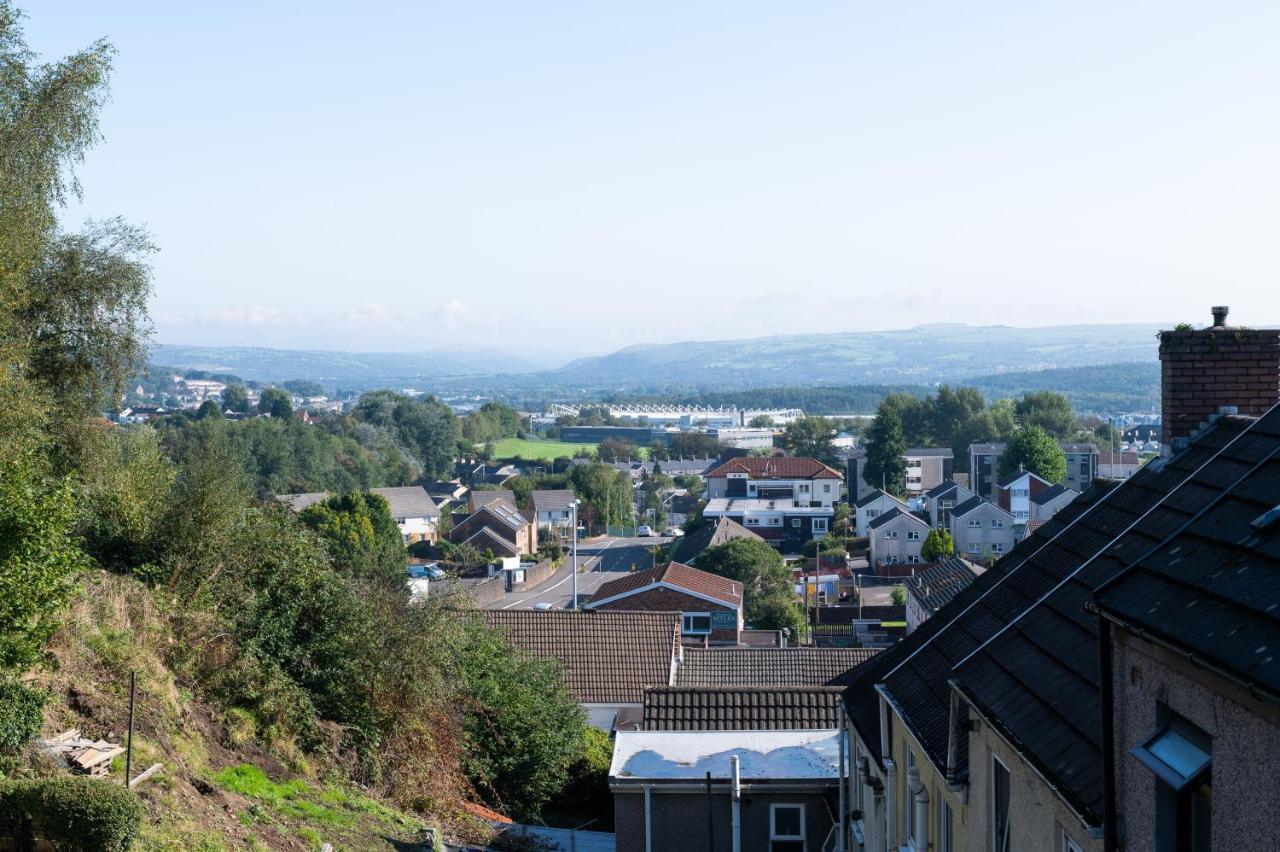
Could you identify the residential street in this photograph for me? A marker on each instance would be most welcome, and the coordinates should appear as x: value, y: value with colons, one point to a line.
x: 604, y: 559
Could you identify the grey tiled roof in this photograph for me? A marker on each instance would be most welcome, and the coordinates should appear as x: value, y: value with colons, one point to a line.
x: 935, y: 586
x: 607, y: 657
x: 767, y: 666
x: 742, y: 708
x: 552, y: 500
x: 409, y: 501
x: 1049, y: 494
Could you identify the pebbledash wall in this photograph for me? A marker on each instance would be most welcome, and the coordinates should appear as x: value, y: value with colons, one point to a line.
x: 1246, y: 745
x: 1202, y: 370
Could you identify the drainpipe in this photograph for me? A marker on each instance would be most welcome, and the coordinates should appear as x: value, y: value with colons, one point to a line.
x: 844, y: 733
x: 648, y: 818
x: 890, y: 799
x: 1106, y: 688
x: 737, y: 804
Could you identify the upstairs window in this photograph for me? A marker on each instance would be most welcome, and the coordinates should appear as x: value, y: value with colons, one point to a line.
x: 999, y: 806
x: 997, y: 523
x: 913, y: 535
x: 696, y: 623
x: 891, y: 534
x: 975, y: 524
x: 1181, y: 757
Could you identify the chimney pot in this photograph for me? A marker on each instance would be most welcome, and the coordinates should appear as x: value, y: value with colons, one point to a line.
x: 1219, y: 315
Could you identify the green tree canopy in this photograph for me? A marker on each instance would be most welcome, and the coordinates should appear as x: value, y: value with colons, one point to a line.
x: 885, y: 448
x: 768, y: 589
x: 938, y: 544
x: 1048, y: 410
x: 361, y: 536
x: 813, y: 437
x: 276, y: 402
x: 236, y: 398
x: 1034, y: 449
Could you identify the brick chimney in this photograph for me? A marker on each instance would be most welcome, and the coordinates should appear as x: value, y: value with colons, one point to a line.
x: 1204, y: 370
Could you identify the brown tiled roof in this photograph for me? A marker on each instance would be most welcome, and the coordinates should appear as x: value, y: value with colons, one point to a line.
x: 780, y: 467
x: 742, y: 708
x: 607, y: 657
x: 674, y: 574
x: 767, y: 666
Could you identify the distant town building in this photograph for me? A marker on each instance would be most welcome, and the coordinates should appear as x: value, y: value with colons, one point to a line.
x: 927, y: 467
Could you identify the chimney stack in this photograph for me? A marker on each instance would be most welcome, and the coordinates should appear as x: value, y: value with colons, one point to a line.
x: 1205, y: 370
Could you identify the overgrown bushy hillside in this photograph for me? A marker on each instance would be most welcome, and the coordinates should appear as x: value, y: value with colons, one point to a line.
x: 289, y: 687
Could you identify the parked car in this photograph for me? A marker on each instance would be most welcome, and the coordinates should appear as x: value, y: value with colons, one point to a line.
x: 644, y: 531
x: 674, y: 532
x: 543, y: 605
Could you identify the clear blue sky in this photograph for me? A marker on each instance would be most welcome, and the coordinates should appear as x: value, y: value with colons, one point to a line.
x: 582, y: 176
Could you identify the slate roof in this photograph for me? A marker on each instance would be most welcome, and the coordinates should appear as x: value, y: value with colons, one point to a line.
x: 992, y: 447
x: 1079, y: 448
x: 1064, y: 715
x: 930, y: 452
x: 968, y: 506
x: 935, y: 586
x: 1006, y: 481
x: 298, y: 502
x: 607, y: 657
x: 690, y: 546
x: 741, y: 708
x: 937, y: 491
x: 486, y: 539
x: 923, y: 681
x: 1037, y: 678
x: 875, y: 495
x: 877, y: 523
x: 483, y: 498
x: 409, y: 501
x: 552, y: 500
x: 675, y: 574
x: 768, y: 666
x: 777, y: 467
x: 1050, y: 494
x: 1225, y: 568
x: 503, y: 512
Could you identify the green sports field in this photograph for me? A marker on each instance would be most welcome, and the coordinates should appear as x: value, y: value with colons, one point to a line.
x: 536, y: 450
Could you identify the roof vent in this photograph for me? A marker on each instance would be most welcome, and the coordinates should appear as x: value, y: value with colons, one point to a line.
x: 1219, y: 315
x: 1267, y: 522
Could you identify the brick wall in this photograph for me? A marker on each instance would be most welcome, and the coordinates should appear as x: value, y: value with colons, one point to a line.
x: 1202, y: 370
x: 670, y: 600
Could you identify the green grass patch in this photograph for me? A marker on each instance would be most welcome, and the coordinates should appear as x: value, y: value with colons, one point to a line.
x: 534, y: 450
x: 293, y: 799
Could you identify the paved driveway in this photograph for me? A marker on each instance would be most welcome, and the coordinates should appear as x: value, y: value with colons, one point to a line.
x: 601, y: 559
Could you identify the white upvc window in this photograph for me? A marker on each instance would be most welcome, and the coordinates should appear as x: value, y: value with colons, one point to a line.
x: 999, y: 806
x: 975, y: 549
x: 775, y: 522
x: 804, y: 488
x: 913, y: 559
x: 975, y: 524
x: 946, y: 827
x: 872, y: 514
x: 795, y: 523
x: 1069, y: 845
x: 696, y: 623
x: 786, y: 828
x: 913, y: 535
x: 891, y: 534
x: 819, y: 525
x: 826, y: 488
x: 997, y: 547
x: 997, y: 523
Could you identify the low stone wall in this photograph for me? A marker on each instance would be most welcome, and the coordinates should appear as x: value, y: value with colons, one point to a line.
x: 487, y: 591
x: 536, y: 576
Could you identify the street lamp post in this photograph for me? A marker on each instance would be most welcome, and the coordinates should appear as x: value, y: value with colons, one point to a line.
x: 574, y: 547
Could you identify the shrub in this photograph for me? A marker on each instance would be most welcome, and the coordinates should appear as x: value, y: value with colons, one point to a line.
x: 76, y: 814
x: 19, y: 718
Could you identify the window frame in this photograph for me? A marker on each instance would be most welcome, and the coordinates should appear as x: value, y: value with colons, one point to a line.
x: 774, y: 836
x: 996, y: 845
x: 686, y: 630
